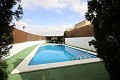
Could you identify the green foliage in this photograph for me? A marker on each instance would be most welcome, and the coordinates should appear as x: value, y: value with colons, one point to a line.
x: 7, y: 14
x: 65, y: 34
x: 3, y: 70
x: 105, y: 15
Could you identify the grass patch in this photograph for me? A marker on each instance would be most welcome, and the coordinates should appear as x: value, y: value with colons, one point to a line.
x: 15, y: 60
x: 91, y: 71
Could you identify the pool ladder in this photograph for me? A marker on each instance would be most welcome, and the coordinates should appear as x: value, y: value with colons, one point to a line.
x: 82, y: 57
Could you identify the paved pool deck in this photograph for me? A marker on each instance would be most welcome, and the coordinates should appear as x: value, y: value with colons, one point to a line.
x: 27, y: 68
x: 90, y: 71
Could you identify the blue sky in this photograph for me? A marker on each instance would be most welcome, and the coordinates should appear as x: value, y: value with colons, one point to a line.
x: 51, y: 17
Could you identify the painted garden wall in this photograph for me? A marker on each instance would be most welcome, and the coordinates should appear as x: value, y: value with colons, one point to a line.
x: 21, y: 36
x: 81, y: 42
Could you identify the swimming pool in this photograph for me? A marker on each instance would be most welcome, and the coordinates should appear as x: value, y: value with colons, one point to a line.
x: 49, y: 56
x: 58, y: 53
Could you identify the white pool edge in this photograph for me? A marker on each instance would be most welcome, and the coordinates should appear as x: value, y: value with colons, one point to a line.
x: 24, y: 67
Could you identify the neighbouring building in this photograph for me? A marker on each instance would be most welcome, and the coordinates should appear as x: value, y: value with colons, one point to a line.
x: 81, y: 29
x: 54, y: 39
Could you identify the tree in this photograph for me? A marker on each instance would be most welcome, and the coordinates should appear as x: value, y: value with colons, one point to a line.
x: 9, y: 10
x: 105, y: 15
x: 64, y: 35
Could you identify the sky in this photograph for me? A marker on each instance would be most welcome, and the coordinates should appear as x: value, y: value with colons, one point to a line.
x: 51, y: 17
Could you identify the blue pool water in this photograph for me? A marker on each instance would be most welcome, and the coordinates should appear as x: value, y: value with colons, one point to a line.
x: 58, y: 53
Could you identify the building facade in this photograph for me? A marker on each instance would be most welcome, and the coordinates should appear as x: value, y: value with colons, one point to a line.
x: 81, y: 29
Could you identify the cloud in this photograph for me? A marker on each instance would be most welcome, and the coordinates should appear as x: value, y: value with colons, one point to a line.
x: 52, y: 4
x: 51, y: 30
x: 78, y: 6
x: 21, y: 24
x: 42, y: 29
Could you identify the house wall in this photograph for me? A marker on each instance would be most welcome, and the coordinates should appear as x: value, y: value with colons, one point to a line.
x: 81, y: 42
x: 80, y: 35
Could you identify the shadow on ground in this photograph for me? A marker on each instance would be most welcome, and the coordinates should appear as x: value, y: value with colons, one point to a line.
x: 92, y: 71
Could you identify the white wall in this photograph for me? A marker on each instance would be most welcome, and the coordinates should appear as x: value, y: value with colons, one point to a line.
x: 20, y: 46
x: 80, y: 42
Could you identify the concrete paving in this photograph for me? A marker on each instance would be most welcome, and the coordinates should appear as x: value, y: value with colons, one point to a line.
x: 24, y: 67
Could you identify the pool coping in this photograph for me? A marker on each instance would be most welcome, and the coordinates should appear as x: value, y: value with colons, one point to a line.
x: 23, y: 66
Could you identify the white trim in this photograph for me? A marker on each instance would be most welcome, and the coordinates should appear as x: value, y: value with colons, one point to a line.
x: 23, y: 66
